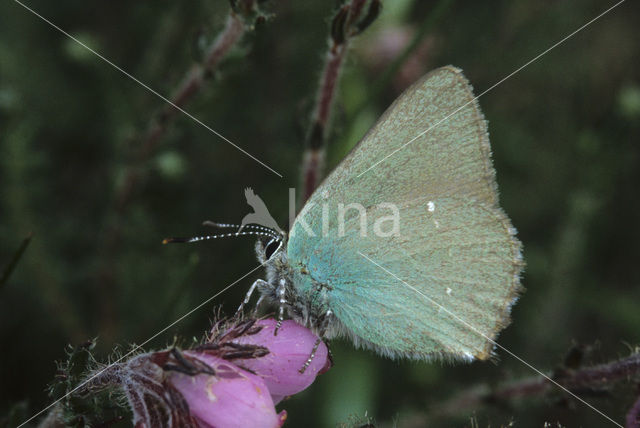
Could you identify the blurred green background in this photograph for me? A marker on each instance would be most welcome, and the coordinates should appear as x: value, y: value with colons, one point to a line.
x: 564, y: 132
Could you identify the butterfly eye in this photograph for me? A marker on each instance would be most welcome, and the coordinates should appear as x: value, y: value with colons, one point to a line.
x: 271, y: 248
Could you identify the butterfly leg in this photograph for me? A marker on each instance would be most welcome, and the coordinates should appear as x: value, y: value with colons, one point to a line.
x: 322, y: 330
x: 254, y: 313
x: 257, y: 283
x: 311, y: 356
x: 280, y: 292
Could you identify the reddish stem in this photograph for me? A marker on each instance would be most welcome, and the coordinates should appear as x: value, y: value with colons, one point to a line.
x: 329, y: 82
x: 574, y: 380
x: 189, y: 87
x: 313, y: 160
x: 349, y: 21
x: 633, y: 417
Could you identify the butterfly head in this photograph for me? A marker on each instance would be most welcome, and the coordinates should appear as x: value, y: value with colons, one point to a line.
x: 279, y: 289
x: 271, y: 252
x: 270, y: 247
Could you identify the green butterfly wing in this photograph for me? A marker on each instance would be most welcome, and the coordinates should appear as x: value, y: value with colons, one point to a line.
x: 444, y: 284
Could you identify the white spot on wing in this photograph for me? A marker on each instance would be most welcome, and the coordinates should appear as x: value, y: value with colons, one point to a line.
x: 467, y: 356
x: 449, y: 291
x: 431, y: 207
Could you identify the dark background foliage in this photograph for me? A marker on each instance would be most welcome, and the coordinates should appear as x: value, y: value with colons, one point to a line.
x: 564, y: 133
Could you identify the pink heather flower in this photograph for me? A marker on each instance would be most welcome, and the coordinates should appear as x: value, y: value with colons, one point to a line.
x: 230, y: 381
x: 229, y: 397
x: 289, y: 350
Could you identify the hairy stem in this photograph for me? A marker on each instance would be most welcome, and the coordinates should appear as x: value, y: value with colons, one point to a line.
x: 382, y: 82
x: 350, y: 20
x: 577, y: 381
x: 313, y: 161
x: 190, y: 86
x: 633, y: 417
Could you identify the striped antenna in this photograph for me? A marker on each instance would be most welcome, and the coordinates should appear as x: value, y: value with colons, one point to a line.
x: 238, y: 226
x: 222, y: 235
x: 275, y: 233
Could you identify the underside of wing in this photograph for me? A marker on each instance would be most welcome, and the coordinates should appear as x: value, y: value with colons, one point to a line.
x: 444, y: 283
x: 441, y: 288
x: 431, y: 141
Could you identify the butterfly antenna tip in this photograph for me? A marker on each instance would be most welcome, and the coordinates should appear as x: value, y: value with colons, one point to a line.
x: 174, y: 240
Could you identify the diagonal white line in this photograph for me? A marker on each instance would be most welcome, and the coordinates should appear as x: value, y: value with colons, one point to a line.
x: 137, y: 347
x: 490, y: 340
x: 493, y: 86
x: 153, y: 91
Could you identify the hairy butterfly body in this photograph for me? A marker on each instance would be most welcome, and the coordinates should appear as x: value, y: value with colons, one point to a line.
x: 442, y: 283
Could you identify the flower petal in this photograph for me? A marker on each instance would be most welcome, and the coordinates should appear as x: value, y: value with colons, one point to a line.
x: 231, y: 398
x: 289, y: 350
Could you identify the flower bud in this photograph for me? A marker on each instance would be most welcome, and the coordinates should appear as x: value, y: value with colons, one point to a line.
x: 289, y: 351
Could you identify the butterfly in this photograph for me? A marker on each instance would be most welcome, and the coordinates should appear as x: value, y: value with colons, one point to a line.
x: 435, y: 274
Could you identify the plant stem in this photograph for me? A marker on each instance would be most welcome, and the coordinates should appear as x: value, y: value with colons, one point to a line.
x: 190, y: 86
x: 350, y: 20
x: 382, y: 82
x: 313, y: 160
x: 8, y: 270
x: 584, y: 379
x: 633, y: 417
